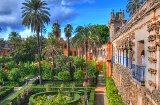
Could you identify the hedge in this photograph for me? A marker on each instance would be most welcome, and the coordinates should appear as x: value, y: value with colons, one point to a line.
x: 4, y: 91
x: 112, y: 93
x: 14, y: 97
x: 91, y: 99
x: 72, y: 102
x: 37, y: 89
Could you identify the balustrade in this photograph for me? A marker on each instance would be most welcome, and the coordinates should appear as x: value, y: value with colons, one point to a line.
x: 138, y: 72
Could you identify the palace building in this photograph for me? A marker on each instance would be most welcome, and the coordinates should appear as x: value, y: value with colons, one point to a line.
x: 135, y: 64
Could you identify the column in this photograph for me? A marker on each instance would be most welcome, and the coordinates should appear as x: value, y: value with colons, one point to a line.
x: 124, y: 57
x: 129, y: 59
x: 120, y: 56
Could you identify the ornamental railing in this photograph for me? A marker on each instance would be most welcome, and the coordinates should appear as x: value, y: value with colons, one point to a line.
x: 138, y: 73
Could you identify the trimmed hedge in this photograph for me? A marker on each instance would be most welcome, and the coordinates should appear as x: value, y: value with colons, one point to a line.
x: 14, y: 97
x: 37, y: 89
x: 4, y: 91
x: 91, y: 99
x: 15, y: 84
x: 112, y: 93
x: 72, y: 102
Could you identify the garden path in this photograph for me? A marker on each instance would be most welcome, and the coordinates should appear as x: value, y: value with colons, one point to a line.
x: 16, y: 89
x: 100, y: 91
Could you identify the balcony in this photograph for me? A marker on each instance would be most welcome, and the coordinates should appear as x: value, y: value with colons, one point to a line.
x: 138, y: 73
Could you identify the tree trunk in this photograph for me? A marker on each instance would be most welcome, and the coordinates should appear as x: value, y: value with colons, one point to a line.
x: 39, y: 58
x: 68, y: 47
x: 70, y: 62
x: 86, y: 59
x: 40, y: 42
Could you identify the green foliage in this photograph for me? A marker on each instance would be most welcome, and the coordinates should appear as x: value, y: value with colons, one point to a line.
x: 103, y: 31
x: 79, y: 75
x: 3, y: 75
x: 92, y: 71
x: 14, y: 39
x: 6, y: 59
x: 91, y: 99
x: 11, y: 65
x: 112, y: 93
x: 14, y: 74
x: 14, y: 97
x: 48, y: 87
x: 4, y: 91
x: 104, y: 70
x: 53, y: 98
x: 26, y: 51
x: 65, y: 76
x: 79, y: 63
x: 47, y: 71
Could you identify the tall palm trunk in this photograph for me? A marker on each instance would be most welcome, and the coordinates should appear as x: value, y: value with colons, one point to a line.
x: 39, y: 58
x: 71, y: 72
x: 40, y: 42
x: 86, y: 58
x: 68, y: 46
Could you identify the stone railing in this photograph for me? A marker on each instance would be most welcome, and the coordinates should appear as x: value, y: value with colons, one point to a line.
x: 147, y: 6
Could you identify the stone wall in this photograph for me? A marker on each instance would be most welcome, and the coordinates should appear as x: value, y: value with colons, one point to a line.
x: 131, y: 91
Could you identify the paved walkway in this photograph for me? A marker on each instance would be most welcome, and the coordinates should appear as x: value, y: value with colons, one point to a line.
x: 100, y: 91
x: 16, y: 89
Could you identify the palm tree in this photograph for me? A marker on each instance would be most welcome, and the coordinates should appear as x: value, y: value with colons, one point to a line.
x: 43, y: 30
x: 89, y: 37
x: 35, y: 14
x: 56, y: 30
x: 1, y: 41
x: 51, y: 46
x: 133, y: 5
x: 68, y: 31
x: 14, y: 39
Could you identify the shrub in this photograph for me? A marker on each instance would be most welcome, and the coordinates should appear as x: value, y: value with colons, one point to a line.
x: 11, y: 65
x: 112, y: 93
x: 14, y: 74
x: 79, y: 75
x: 65, y: 76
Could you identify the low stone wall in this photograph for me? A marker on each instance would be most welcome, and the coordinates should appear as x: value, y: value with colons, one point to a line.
x: 131, y: 91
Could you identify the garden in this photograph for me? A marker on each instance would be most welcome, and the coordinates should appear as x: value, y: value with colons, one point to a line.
x: 62, y: 82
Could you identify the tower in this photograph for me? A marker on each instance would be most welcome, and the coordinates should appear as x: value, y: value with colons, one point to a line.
x: 116, y: 22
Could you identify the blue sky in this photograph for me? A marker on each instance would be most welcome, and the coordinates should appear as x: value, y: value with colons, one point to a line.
x: 74, y: 12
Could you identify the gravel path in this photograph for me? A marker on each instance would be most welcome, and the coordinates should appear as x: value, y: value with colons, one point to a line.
x: 100, y: 91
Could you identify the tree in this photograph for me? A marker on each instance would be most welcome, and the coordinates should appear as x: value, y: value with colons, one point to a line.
x: 103, y: 31
x: 89, y: 36
x: 43, y: 30
x: 51, y: 46
x: 56, y: 30
x: 14, y: 39
x: 35, y: 14
x: 133, y: 5
x: 1, y: 45
x: 27, y: 50
x: 68, y: 31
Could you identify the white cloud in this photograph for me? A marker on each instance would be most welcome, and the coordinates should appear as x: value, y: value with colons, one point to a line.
x: 69, y: 2
x: 63, y: 14
x: 25, y: 33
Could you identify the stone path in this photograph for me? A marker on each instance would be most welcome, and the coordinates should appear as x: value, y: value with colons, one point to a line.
x: 100, y: 91
x: 16, y: 89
